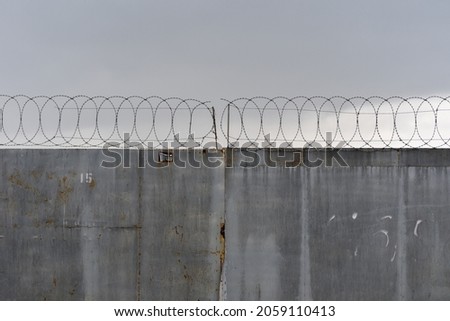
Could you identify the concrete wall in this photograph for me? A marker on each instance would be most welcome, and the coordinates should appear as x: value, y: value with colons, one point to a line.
x: 377, y: 229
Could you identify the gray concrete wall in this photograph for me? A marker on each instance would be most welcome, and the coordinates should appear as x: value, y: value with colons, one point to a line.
x: 377, y: 229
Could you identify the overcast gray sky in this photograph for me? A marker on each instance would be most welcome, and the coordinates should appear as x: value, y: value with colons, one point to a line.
x: 209, y: 49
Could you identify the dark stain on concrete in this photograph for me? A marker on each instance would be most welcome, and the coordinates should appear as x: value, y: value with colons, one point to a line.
x: 36, y: 174
x: 49, y: 222
x: 222, y: 243
x: 64, y: 189
x: 17, y: 180
x: 92, y: 184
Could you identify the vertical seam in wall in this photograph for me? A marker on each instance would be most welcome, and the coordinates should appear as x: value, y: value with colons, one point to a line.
x: 402, y: 285
x: 222, y: 295
x: 139, y: 226
x: 305, y: 260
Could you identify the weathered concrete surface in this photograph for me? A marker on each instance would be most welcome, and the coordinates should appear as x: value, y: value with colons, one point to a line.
x: 130, y: 234
x: 182, y: 210
x: 378, y: 229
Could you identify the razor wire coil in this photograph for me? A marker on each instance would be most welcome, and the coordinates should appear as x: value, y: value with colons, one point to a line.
x: 356, y: 122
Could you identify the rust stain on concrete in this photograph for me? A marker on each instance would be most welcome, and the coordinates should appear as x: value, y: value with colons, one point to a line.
x: 16, y: 179
x: 36, y: 174
x: 92, y: 184
x: 222, y: 244
x: 64, y: 189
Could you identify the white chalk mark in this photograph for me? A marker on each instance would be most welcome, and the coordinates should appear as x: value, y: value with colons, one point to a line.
x: 356, y: 252
x: 395, y: 253
x: 332, y: 218
x: 386, y: 233
x: 354, y: 215
x: 416, y: 227
x: 35, y: 237
x: 386, y: 217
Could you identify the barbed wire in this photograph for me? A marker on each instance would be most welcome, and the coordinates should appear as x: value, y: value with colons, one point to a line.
x: 357, y: 122
x: 82, y: 121
x: 156, y: 122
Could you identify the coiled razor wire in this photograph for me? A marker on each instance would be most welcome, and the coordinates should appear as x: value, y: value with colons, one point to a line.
x: 156, y: 122
x: 357, y: 122
x: 82, y: 121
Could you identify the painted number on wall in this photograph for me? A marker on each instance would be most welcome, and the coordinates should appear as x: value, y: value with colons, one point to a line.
x: 86, y: 178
